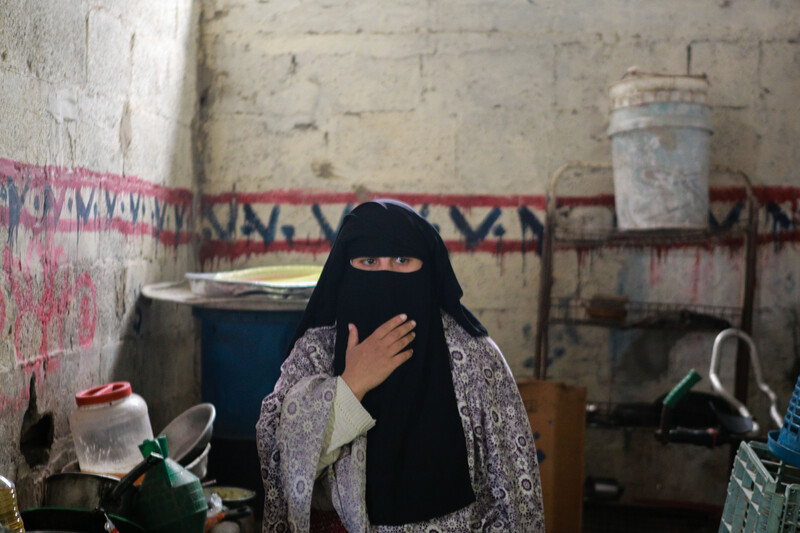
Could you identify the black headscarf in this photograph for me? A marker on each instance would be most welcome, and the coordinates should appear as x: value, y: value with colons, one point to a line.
x: 416, y: 453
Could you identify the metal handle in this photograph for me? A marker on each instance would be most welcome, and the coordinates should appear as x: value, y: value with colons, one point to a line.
x: 664, y: 431
x: 717, y: 385
x: 136, y: 472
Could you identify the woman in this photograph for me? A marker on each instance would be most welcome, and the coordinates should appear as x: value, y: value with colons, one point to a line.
x: 394, y: 407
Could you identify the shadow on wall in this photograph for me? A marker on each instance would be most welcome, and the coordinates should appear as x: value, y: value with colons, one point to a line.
x: 160, y: 357
x: 157, y: 351
x: 641, y: 358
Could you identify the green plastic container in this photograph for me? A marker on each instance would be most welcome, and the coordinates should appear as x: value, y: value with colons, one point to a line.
x: 171, y: 498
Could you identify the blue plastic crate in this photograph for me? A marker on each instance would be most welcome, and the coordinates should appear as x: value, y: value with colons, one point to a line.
x: 763, y: 493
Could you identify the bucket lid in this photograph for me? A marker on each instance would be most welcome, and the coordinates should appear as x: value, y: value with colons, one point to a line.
x: 108, y: 392
x: 637, y: 88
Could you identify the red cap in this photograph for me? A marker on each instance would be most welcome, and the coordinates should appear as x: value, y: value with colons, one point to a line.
x: 104, y: 393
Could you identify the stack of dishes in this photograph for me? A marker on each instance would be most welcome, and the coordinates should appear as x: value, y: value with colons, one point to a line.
x: 283, y: 281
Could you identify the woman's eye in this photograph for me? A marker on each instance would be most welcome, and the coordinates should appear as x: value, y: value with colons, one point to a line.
x: 401, y: 260
x: 364, y: 262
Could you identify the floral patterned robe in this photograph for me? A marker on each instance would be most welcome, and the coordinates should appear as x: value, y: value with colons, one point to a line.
x: 500, y: 448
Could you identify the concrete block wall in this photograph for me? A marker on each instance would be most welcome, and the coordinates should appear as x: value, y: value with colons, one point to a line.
x: 124, y: 140
x: 465, y: 109
x: 97, y: 193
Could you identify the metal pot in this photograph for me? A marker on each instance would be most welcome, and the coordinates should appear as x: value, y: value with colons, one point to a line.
x: 83, y: 490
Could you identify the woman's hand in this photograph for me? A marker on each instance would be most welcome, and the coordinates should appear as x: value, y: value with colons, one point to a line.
x: 369, y: 363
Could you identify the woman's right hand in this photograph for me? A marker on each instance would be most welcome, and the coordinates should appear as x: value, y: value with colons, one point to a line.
x: 369, y: 363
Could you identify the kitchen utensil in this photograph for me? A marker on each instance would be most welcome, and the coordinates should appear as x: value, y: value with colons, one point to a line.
x: 199, y: 467
x: 82, y: 490
x: 700, y: 418
x: 279, y: 281
x: 231, y: 496
x: 731, y: 420
x: 108, y: 425
x: 190, y: 432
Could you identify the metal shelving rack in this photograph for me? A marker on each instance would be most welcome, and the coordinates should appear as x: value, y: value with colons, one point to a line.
x: 646, y: 315
x: 652, y: 315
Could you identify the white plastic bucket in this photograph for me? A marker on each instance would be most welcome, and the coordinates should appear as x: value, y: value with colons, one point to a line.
x: 660, y: 133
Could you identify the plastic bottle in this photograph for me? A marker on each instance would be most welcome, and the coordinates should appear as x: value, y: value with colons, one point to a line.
x: 9, y: 513
x: 107, y: 428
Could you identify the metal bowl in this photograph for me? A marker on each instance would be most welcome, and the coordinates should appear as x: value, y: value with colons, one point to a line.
x: 199, y: 467
x: 190, y: 432
x: 231, y: 496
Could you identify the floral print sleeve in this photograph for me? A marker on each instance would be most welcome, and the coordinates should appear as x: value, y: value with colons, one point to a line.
x: 290, y: 430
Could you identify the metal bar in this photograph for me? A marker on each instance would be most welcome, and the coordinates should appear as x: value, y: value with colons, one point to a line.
x: 642, y: 315
x: 612, y: 237
x: 546, y: 270
x: 545, y: 288
x: 748, y: 293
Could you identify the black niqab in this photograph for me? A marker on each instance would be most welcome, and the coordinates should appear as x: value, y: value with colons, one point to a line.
x: 416, y: 453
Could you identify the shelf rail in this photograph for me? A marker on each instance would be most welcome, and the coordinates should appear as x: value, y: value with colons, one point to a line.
x: 551, y: 235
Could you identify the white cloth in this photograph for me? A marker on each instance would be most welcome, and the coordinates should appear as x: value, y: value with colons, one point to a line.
x: 348, y: 420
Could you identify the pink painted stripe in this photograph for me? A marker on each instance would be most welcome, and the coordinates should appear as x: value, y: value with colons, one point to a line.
x: 78, y: 177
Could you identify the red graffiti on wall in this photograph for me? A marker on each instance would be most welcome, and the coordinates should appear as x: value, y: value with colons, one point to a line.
x: 48, y: 300
x: 44, y: 305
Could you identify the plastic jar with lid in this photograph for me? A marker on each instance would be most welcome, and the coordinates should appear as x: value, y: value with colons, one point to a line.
x: 108, y: 426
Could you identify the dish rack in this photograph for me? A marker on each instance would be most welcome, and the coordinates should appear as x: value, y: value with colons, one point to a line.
x: 763, y: 493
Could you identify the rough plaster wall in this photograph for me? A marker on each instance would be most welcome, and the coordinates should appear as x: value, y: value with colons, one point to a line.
x: 465, y: 109
x: 96, y: 200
